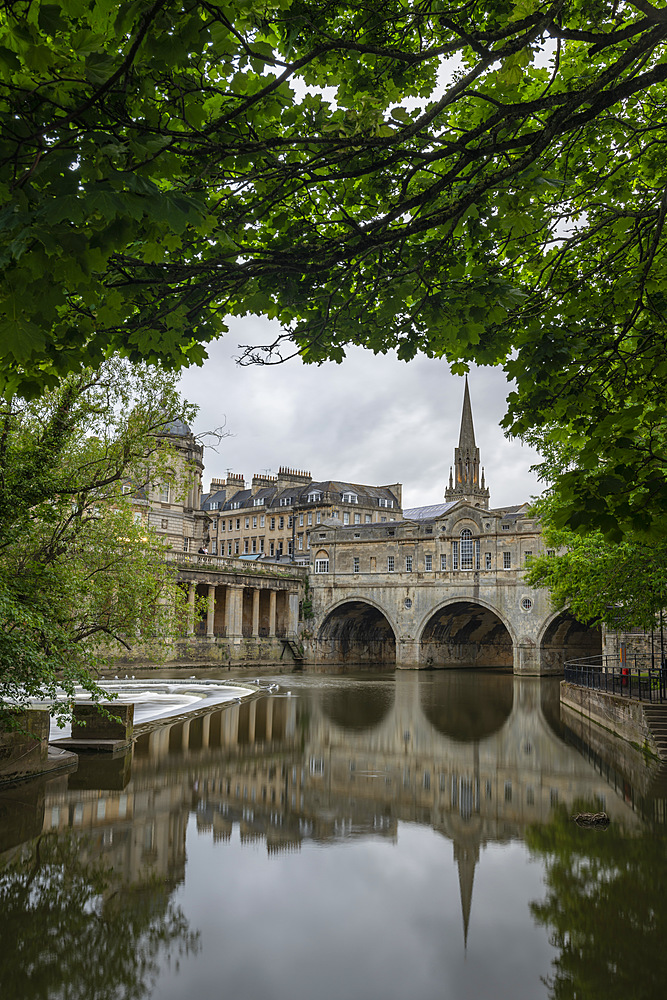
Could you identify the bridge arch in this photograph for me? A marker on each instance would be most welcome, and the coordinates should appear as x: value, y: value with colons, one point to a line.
x: 357, y: 630
x: 466, y: 632
x: 562, y: 637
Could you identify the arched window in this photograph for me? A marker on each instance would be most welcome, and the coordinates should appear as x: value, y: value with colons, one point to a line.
x: 469, y: 550
x: 322, y: 561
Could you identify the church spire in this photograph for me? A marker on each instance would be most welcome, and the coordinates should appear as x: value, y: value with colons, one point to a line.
x: 467, y: 485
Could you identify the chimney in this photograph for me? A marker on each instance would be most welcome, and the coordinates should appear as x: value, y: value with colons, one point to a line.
x: 259, y: 482
x: 292, y: 477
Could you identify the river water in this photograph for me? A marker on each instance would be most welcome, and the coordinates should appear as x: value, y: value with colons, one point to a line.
x: 368, y: 835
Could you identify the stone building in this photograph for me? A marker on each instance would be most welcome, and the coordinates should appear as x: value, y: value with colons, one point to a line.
x: 275, y: 517
x: 441, y: 586
x: 171, y: 502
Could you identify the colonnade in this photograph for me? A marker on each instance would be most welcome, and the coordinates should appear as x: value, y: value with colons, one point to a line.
x: 235, y: 611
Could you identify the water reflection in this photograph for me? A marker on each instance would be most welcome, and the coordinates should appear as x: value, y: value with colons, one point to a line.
x: 368, y: 765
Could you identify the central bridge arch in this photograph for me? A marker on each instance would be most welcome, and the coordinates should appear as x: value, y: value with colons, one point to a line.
x: 357, y: 631
x: 466, y: 633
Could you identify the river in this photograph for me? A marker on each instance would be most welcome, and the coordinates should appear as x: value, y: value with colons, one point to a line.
x: 368, y: 835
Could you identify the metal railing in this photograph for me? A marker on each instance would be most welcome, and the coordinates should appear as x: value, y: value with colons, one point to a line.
x: 635, y: 677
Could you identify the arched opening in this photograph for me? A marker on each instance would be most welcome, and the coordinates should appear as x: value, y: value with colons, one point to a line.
x: 356, y: 632
x: 467, y: 707
x: 358, y: 708
x: 565, y: 638
x: 465, y: 634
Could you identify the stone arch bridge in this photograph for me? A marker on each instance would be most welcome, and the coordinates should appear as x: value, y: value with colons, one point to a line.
x: 454, y: 619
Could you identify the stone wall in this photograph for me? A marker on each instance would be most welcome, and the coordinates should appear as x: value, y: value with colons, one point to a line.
x: 623, y: 716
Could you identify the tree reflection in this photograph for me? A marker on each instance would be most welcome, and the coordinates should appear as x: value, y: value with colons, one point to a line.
x: 606, y: 909
x: 71, y: 928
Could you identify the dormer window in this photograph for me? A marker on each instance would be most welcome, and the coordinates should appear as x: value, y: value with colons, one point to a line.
x: 214, y: 505
x: 314, y: 497
x: 258, y: 502
x: 285, y: 501
x: 384, y: 502
x: 350, y: 498
x: 235, y: 505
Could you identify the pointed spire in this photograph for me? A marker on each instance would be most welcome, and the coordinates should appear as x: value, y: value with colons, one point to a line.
x: 466, y: 858
x: 467, y: 434
x: 466, y: 484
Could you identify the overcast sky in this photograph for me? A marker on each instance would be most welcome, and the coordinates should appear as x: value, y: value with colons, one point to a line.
x: 372, y: 419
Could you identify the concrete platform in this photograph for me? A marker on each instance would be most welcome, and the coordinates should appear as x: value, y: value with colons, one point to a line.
x: 76, y: 744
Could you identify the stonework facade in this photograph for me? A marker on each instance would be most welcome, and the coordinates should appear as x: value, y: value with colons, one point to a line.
x: 442, y: 587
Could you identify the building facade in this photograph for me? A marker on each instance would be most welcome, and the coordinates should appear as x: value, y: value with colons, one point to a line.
x: 275, y: 517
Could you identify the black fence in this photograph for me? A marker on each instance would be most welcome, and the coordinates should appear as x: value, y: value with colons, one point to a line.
x: 636, y: 677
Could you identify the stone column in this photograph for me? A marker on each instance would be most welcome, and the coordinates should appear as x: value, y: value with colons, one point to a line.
x: 272, y: 612
x: 210, y: 610
x: 255, y: 613
x: 192, y: 589
x: 293, y: 611
x: 234, y: 611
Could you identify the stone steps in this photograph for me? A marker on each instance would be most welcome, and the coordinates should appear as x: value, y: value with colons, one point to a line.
x: 656, y: 716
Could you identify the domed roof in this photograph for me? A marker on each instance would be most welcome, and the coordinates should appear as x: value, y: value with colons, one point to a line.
x: 177, y: 428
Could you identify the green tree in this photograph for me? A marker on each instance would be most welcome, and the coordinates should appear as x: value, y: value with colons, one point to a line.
x: 80, y: 570
x: 605, y: 908
x: 480, y: 183
x: 73, y: 928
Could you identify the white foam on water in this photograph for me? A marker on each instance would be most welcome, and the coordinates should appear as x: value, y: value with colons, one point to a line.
x: 154, y: 700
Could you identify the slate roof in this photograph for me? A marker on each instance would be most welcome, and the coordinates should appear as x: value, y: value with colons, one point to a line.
x: 430, y: 511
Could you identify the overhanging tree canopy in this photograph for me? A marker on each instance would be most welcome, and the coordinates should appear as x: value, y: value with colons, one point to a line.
x: 482, y: 181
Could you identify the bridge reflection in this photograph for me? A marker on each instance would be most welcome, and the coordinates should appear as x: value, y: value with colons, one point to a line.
x: 476, y: 757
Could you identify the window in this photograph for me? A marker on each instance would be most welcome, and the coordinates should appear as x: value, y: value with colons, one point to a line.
x: 261, y: 545
x: 235, y: 504
x: 455, y: 555
x: 428, y: 563
x: 300, y: 542
x: 247, y: 522
x: 238, y: 523
x: 229, y: 548
x: 254, y: 521
x: 384, y: 502
x: 368, y: 518
x: 355, y: 564
x: 254, y: 545
x: 551, y: 553
x: 443, y: 561
x: 346, y: 517
x: 505, y: 527
x: 527, y: 556
x: 272, y: 524
x: 281, y: 522
x: 214, y: 505
x: 164, y: 523
x: 231, y: 524
x: 258, y: 502
x: 186, y: 544
x: 300, y: 518
x: 318, y: 517
x: 246, y: 546
x: 350, y: 498
x: 466, y: 549
x: 214, y: 547
x: 289, y: 522
x: 357, y: 518
x: 137, y: 517
x: 271, y: 548
x: 314, y: 497
x: 507, y: 560
x: 408, y: 564
x: 261, y: 521
x: 309, y: 518
x: 285, y: 501
x: 321, y: 565
x: 236, y: 547
x: 526, y: 604
x: 390, y: 564
x: 487, y: 560
x: 164, y: 493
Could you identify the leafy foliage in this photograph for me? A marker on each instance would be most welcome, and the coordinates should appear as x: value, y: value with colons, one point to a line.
x: 623, y: 584
x: 79, y: 568
x: 605, y: 907
x: 97, y: 937
x: 480, y: 183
